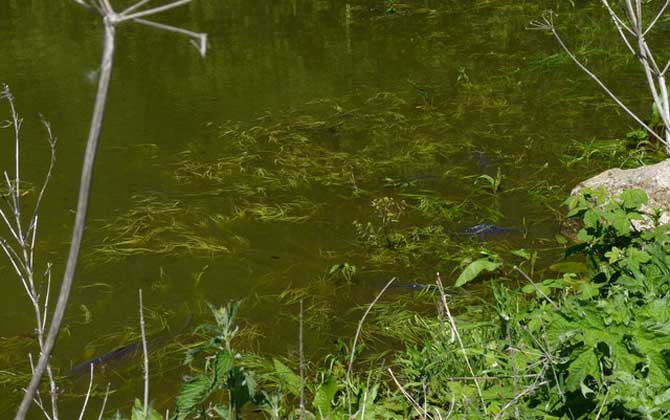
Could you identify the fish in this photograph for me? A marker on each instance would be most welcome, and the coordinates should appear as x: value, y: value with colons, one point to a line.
x: 487, y: 229
x: 127, y: 351
x: 414, y: 286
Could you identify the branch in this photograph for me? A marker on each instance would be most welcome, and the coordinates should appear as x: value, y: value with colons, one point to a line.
x: 145, y: 357
x: 80, y: 220
x: 658, y: 16
x: 149, y: 12
x: 547, y: 24
x: 199, y: 40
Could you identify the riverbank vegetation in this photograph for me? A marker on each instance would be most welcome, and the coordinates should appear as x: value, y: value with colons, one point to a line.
x: 590, y: 341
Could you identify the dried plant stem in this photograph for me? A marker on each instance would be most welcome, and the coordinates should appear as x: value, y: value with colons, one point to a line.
x: 302, y: 364
x: 110, y: 19
x: 454, y: 331
x: 409, y: 397
x: 537, y: 289
x: 21, y: 254
x: 80, y: 220
x: 104, y: 403
x: 358, y: 333
x: 88, y: 394
x: 633, y: 33
x: 145, y: 355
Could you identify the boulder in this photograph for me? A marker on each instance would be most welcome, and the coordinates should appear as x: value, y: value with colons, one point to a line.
x: 652, y: 179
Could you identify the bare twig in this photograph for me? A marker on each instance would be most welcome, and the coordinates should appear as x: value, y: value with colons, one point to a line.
x: 110, y: 19
x: 302, y: 364
x: 408, y: 396
x: 149, y: 12
x: 522, y: 394
x: 88, y: 394
x: 358, y: 333
x: 454, y: 330
x: 145, y: 355
x: 80, y: 220
x: 360, y: 325
x: 134, y: 7
x: 633, y: 33
x: 104, y: 402
x: 537, y: 289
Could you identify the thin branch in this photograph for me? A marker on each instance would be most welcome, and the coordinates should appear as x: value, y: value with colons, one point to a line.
x: 358, y: 333
x: 658, y: 16
x: 302, y: 364
x: 360, y: 325
x: 80, y: 220
x: 537, y: 289
x: 454, y: 330
x: 149, y: 12
x: 104, y: 402
x: 145, y: 356
x: 134, y: 7
x: 88, y: 394
x: 407, y: 395
x: 514, y: 400
x: 199, y: 40
x: 548, y: 25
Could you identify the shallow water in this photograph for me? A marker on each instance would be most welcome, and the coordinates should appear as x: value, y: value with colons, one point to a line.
x: 261, y: 156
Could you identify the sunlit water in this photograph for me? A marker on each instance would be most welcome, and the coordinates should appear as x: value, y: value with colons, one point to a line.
x: 503, y: 99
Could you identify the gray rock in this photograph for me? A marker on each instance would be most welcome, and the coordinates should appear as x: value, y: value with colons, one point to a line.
x: 652, y: 179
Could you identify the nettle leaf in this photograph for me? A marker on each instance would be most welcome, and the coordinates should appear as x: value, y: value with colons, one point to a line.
x: 138, y: 412
x: 324, y: 397
x: 287, y: 377
x: 474, y: 269
x: 586, y: 364
x: 193, y: 393
x: 224, y: 363
x: 633, y: 199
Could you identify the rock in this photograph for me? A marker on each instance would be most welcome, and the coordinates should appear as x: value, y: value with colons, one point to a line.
x: 652, y: 179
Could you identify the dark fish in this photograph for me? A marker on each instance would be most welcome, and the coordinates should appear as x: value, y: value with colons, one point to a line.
x: 487, y: 229
x: 414, y: 286
x: 114, y: 355
x: 127, y: 351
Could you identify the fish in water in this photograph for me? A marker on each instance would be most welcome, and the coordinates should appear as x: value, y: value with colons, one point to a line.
x: 116, y: 354
x: 487, y: 229
x: 127, y: 351
x: 414, y: 286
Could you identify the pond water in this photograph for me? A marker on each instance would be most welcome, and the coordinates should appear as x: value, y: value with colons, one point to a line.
x: 314, y: 134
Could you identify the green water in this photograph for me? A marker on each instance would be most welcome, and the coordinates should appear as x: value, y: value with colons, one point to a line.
x: 262, y: 155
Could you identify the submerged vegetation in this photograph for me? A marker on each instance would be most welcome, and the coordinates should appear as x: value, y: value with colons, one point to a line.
x: 587, y: 344
x: 449, y: 168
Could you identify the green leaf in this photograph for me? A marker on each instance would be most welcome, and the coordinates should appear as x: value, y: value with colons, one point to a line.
x: 192, y: 394
x: 633, y: 199
x: 287, y: 377
x: 138, y: 412
x: 324, y: 397
x: 584, y: 365
x: 224, y: 363
x: 474, y: 269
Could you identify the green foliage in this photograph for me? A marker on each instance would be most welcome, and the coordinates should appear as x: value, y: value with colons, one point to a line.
x: 217, y: 370
x: 487, y: 264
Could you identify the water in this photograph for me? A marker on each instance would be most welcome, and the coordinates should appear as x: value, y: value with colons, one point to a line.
x: 432, y: 96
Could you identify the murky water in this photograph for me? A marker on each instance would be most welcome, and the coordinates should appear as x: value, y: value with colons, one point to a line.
x: 240, y: 175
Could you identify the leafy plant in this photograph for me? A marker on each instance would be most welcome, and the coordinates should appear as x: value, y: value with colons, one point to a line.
x: 219, y: 370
